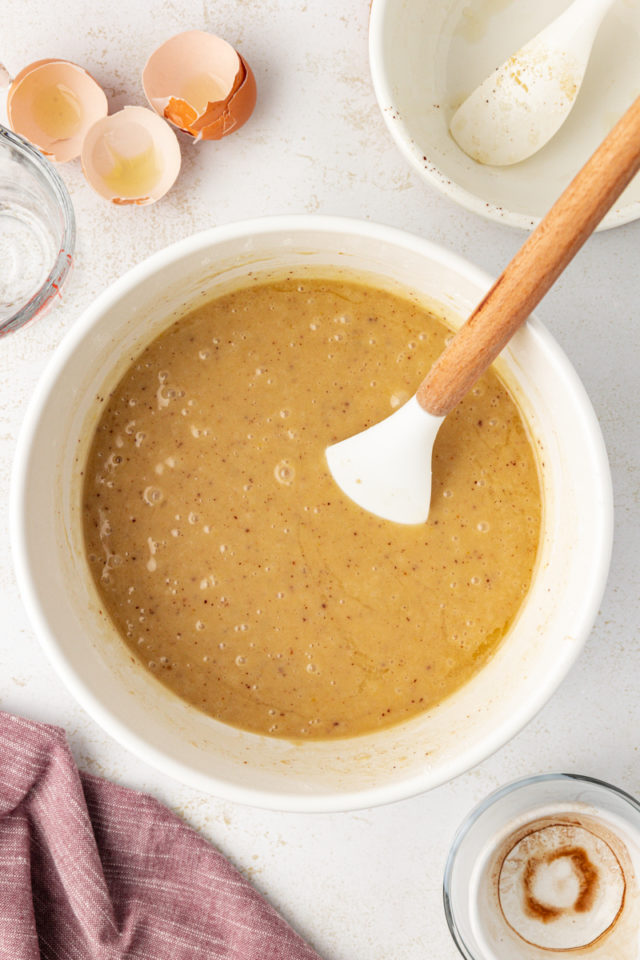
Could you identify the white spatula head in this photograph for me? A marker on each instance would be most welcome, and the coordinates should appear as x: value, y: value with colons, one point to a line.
x: 520, y: 106
x: 386, y: 469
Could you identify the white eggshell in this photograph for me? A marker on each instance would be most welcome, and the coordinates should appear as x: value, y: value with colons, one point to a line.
x: 53, y: 103
x: 131, y: 157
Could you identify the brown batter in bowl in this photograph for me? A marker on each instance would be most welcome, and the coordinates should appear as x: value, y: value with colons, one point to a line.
x: 234, y: 568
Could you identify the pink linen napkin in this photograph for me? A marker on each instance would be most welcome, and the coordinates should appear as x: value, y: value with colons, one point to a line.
x: 93, y: 871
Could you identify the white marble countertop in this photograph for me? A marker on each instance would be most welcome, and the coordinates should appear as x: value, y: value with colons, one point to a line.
x: 365, y: 884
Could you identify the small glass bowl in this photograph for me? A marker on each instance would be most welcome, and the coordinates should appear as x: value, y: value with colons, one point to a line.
x: 562, y: 795
x: 37, y: 232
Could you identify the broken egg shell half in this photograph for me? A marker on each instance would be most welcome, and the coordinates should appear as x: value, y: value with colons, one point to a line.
x: 201, y: 84
x: 53, y: 103
x: 131, y: 157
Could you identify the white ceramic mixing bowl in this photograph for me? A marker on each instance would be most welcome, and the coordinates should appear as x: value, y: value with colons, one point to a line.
x: 130, y: 703
x: 426, y: 57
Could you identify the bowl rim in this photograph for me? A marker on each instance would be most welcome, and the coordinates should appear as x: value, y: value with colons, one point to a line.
x: 284, y: 800
x: 430, y: 171
x: 51, y: 287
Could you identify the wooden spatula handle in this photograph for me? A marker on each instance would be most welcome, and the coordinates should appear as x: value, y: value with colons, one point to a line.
x: 535, y: 267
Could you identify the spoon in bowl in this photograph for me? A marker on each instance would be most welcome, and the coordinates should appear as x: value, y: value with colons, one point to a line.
x: 523, y: 103
x: 387, y: 468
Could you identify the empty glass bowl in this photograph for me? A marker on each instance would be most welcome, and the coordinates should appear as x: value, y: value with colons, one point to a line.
x: 37, y: 232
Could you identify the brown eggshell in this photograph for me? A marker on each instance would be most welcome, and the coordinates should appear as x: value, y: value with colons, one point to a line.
x: 53, y: 103
x: 236, y: 110
x: 199, y: 83
x: 131, y: 157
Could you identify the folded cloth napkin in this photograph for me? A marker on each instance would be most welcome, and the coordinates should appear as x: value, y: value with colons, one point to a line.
x: 93, y: 871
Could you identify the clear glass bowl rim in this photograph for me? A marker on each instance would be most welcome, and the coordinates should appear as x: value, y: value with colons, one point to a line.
x: 45, y: 172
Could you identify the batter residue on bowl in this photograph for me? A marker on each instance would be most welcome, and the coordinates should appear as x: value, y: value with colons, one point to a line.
x: 236, y: 570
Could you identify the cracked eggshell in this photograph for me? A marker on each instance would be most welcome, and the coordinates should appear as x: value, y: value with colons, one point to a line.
x: 199, y: 83
x: 53, y: 103
x: 131, y: 157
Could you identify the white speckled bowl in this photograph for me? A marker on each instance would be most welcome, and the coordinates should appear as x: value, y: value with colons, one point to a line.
x: 142, y: 714
x: 426, y: 56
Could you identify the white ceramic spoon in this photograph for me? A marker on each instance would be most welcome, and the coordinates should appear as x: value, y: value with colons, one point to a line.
x: 526, y: 100
x: 387, y: 468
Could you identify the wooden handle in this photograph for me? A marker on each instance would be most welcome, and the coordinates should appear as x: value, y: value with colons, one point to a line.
x: 535, y: 267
